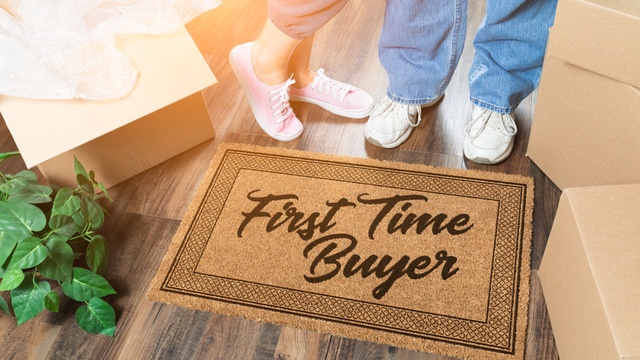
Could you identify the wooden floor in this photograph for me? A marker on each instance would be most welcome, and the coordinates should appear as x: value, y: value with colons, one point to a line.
x: 148, y: 208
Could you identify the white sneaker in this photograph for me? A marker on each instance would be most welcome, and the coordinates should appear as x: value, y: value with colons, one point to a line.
x: 391, y: 123
x: 489, y: 136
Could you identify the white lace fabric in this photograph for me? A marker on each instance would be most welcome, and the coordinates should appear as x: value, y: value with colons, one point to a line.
x: 496, y: 123
x: 65, y: 49
x: 281, y: 98
x: 330, y: 87
x: 402, y: 111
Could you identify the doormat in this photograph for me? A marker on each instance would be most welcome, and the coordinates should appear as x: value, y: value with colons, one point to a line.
x: 418, y: 257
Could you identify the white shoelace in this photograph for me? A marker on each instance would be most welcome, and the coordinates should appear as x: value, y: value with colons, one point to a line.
x: 331, y: 87
x: 281, y: 96
x: 506, y: 125
x: 391, y: 106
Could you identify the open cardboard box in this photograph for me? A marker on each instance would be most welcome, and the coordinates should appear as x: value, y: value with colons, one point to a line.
x: 587, y: 119
x: 164, y: 115
x: 590, y: 273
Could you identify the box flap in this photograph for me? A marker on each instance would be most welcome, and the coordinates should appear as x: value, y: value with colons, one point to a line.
x: 592, y: 121
x: 171, y: 68
x: 607, y: 217
x: 600, y: 36
x: 622, y: 6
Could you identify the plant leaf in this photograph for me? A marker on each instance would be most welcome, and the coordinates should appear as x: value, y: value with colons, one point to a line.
x: 20, y: 220
x: 56, y: 237
x: 7, y: 244
x: 90, y: 213
x: 9, y: 154
x: 81, y: 217
x: 28, y: 298
x: 30, y: 191
x: 27, y: 176
x: 95, y: 252
x: 97, y: 317
x: 24, y: 185
x: 52, y: 301
x: 34, y: 194
x: 11, y: 186
x: 65, y: 203
x: 4, y: 268
x: 58, y: 264
x: 28, y: 253
x: 11, y: 280
x: 4, y: 306
x: 85, y: 184
x: 86, y: 285
x: 104, y: 191
x: 96, y: 214
x: 79, y: 168
x: 62, y: 225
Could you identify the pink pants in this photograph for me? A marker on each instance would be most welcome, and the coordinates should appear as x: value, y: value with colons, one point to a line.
x: 301, y: 18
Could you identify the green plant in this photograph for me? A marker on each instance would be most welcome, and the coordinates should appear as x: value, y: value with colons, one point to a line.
x: 47, y: 237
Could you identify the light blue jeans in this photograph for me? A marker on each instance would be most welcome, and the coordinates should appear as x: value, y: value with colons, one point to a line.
x: 422, y: 40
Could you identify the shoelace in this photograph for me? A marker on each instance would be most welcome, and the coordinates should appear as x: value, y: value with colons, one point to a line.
x: 391, y: 106
x: 506, y: 123
x: 332, y: 88
x: 282, y: 107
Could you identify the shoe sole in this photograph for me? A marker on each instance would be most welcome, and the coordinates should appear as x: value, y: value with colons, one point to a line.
x: 334, y: 109
x: 392, y: 145
x: 487, y: 161
x: 252, y: 103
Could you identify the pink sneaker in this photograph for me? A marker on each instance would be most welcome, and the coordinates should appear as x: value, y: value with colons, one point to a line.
x: 334, y: 96
x: 270, y: 104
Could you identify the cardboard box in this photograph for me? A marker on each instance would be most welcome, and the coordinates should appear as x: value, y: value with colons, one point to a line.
x: 586, y: 122
x: 590, y: 273
x: 164, y: 115
x: 600, y: 36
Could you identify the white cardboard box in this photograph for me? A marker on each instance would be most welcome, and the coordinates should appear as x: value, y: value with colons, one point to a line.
x: 586, y: 123
x: 590, y: 273
x: 164, y: 115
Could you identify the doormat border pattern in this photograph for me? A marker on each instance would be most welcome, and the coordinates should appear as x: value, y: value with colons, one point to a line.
x: 501, y: 335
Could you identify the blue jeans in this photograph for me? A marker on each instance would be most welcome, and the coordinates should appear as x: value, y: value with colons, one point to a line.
x: 422, y: 40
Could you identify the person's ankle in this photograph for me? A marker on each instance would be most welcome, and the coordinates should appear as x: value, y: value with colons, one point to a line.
x: 265, y: 70
x: 303, y: 77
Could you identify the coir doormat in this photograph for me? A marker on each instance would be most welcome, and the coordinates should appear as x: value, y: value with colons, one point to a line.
x: 418, y: 257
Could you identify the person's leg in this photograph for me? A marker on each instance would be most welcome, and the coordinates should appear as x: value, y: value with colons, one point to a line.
x: 284, y: 44
x: 300, y: 63
x: 270, y: 54
x: 510, y: 46
x: 314, y: 86
x: 420, y: 46
x: 261, y: 67
x: 509, y: 50
x: 269, y: 103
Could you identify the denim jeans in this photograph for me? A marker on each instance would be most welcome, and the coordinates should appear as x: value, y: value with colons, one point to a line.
x: 422, y: 40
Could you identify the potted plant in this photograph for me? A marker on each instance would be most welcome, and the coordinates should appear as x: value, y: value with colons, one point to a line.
x: 49, y: 246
